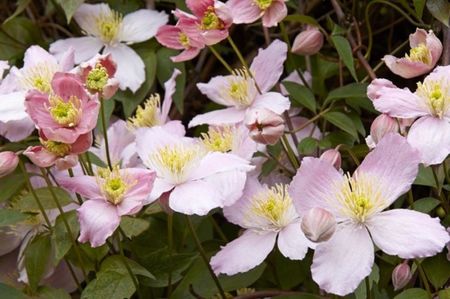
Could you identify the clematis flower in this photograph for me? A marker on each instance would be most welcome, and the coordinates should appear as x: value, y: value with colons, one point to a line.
x: 63, y: 155
x: 239, y: 91
x: 383, y: 124
x: 181, y: 38
x: 425, y: 51
x: 112, y: 194
x: 107, y: 29
x: 430, y: 103
x: 198, y: 180
x: 8, y: 162
x: 267, y: 214
x: 357, y: 202
x: 308, y: 42
x: 248, y: 11
x: 36, y: 73
x: 67, y: 112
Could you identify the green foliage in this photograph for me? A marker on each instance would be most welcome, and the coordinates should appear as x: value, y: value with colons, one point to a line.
x: 61, y: 239
x: 27, y: 203
x: 345, y: 53
x: 37, y: 259
x: 301, y: 95
x: 69, y: 7
x: 412, y: 293
x: 10, y: 217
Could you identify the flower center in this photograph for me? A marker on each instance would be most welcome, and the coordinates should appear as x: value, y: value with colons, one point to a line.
x: 210, y: 20
x: 184, y: 40
x: 238, y: 87
x: 218, y: 139
x: 39, y: 77
x: 66, y: 114
x: 108, y: 25
x: 421, y: 53
x: 146, y: 116
x: 58, y: 148
x: 97, y: 78
x: 263, y: 4
x: 436, y: 96
x: 113, y: 186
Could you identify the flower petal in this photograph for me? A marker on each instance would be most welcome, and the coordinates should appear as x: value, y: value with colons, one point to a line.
x: 273, y: 101
x: 292, y: 242
x: 194, y: 197
x: 17, y: 130
x: 274, y: 14
x: 170, y: 89
x: 87, y: 14
x: 36, y: 55
x: 406, y: 68
x: 244, y: 11
x: 141, y: 25
x: 408, y: 234
x: 244, y: 253
x: 219, y: 117
x: 12, y: 107
x: 84, y: 47
x: 84, y: 185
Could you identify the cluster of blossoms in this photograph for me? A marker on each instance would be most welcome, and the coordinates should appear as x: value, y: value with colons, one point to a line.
x: 342, y: 218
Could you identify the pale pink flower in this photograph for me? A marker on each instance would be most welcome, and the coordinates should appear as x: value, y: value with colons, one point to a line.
x: 239, y: 91
x: 383, y: 124
x: 37, y: 72
x: 4, y: 65
x: 308, y: 42
x: 357, y: 202
x: 108, y: 29
x: 181, y: 38
x: 266, y: 214
x: 425, y: 51
x: 401, y: 275
x: 265, y: 126
x: 198, y: 180
x: 8, y: 162
x: 332, y: 156
x: 112, y: 194
x: 65, y: 113
x: 430, y: 103
x: 248, y: 11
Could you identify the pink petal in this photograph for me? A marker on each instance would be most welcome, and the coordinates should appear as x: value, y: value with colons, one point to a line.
x: 170, y: 89
x: 341, y: 263
x: 89, y: 117
x: 406, y: 68
x: 218, y: 117
x: 141, y: 25
x: 67, y: 85
x: 431, y: 137
x: 393, y: 165
x: 273, y: 101
x: 217, y: 162
x: 228, y: 185
x: 212, y: 37
x: 86, y: 186
x: 85, y: 47
x: 119, y: 137
x: 135, y: 197
x: 98, y: 221
x: 214, y: 89
x: 169, y: 36
x: 17, y: 130
x: 244, y: 253
x: 159, y: 187
x: 199, y: 7
x: 374, y: 90
x: 244, y: 11
x: 292, y: 242
x: 186, y: 55
x: 67, y: 60
x: 39, y: 156
x: 194, y: 197
x: 274, y: 14
x: 408, y: 234
x: 315, y: 185
x: 267, y: 66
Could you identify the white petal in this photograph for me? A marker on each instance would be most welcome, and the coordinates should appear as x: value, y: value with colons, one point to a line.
x: 141, y: 25
x: 194, y: 197
x: 87, y: 14
x: 273, y: 101
x: 85, y: 47
x: 292, y: 242
x: 12, y: 106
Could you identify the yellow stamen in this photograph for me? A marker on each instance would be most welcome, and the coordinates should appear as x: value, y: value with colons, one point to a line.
x: 113, y: 185
x: 210, y: 20
x: 97, y: 78
x: 421, y: 53
x: 263, y: 4
x: 58, y: 148
x: 147, y: 116
x: 218, y: 139
x: 436, y: 95
x: 38, y: 77
x: 184, y: 40
x: 65, y: 113
x: 238, y: 87
x: 108, y: 25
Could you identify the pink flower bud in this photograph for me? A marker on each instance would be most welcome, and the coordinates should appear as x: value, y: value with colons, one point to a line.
x: 265, y: 126
x: 8, y: 163
x: 308, y: 42
x: 318, y: 225
x: 381, y: 126
x: 401, y: 275
x: 333, y: 157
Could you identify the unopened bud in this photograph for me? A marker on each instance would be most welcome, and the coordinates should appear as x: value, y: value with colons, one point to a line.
x: 382, y: 125
x: 308, y: 42
x: 318, y: 225
x: 401, y: 276
x: 8, y: 163
x: 265, y: 126
x: 333, y: 157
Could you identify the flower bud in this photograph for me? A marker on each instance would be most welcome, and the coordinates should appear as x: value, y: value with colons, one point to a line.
x: 382, y: 125
x: 318, y: 225
x: 333, y: 157
x: 401, y: 276
x: 265, y: 126
x: 308, y: 42
x: 8, y: 163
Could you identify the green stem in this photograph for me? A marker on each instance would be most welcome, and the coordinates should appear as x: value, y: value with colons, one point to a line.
x: 170, y: 245
x: 411, y: 199
x: 127, y: 266
x: 80, y: 200
x: 220, y: 58
x: 204, y: 257
x: 368, y: 292
x: 218, y: 229
x: 289, y: 152
x: 311, y: 120
x: 423, y: 277
x: 105, y: 132
x: 74, y: 276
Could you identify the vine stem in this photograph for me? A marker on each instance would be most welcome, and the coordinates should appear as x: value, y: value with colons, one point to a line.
x: 220, y: 58
x: 127, y: 266
x: 170, y: 245
x: 423, y: 277
x: 204, y: 257
x: 80, y: 200
x: 105, y: 132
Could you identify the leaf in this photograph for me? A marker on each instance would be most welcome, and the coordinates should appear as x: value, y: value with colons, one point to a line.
x: 60, y: 237
x: 37, y: 255
x: 301, y: 95
x: 426, y: 204
x: 69, y: 7
x: 334, y: 139
x: 110, y: 285
x: 11, y: 293
x: 133, y: 227
x: 353, y: 90
x: 425, y: 177
x: 21, y: 6
x: 444, y: 294
x: 307, y: 146
x: 10, y: 217
x: 345, y: 53
x: 116, y: 263
x: 419, y: 6
x: 440, y: 9
x: 412, y: 293
x: 51, y: 293
x: 341, y: 121
x: 437, y: 269
x: 16, y: 36
x: 28, y: 203
x: 11, y: 185
x: 374, y: 277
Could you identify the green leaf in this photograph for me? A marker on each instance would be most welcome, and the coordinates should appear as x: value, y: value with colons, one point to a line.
x: 28, y: 203
x: 10, y: 217
x: 60, y: 237
x: 10, y: 293
x: 16, y: 36
x: 444, y: 294
x: 69, y: 7
x: 374, y: 277
x: 301, y: 19
x: 301, y: 95
x: 437, y: 269
x: 341, y: 121
x: 425, y: 177
x: 110, y: 285
x: 51, y: 293
x: 426, y: 205
x: 345, y: 53
x: 116, y: 263
x: 133, y: 227
x: 419, y: 6
x: 37, y: 258
x: 440, y: 9
x: 307, y: 146
x: 164, y: 71
x: 412, y: 293
x: 21, y: 5
x: 353, y: 90
x: 11, y: 185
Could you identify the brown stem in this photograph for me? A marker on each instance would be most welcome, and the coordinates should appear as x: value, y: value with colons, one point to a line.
x: 446, y: 41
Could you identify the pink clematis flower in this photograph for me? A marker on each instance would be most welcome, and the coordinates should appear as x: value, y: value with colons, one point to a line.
x: 266, y: 214
x: 240, y: 93
x: 67, y: 112
x: 181, y: 38
x: 430, y: 103
x: 425, y: 51
x: 248, y: 11
x: 198, y: 180
x: 357, y: 202
x: 108, y: 29
x: 112, y: 194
